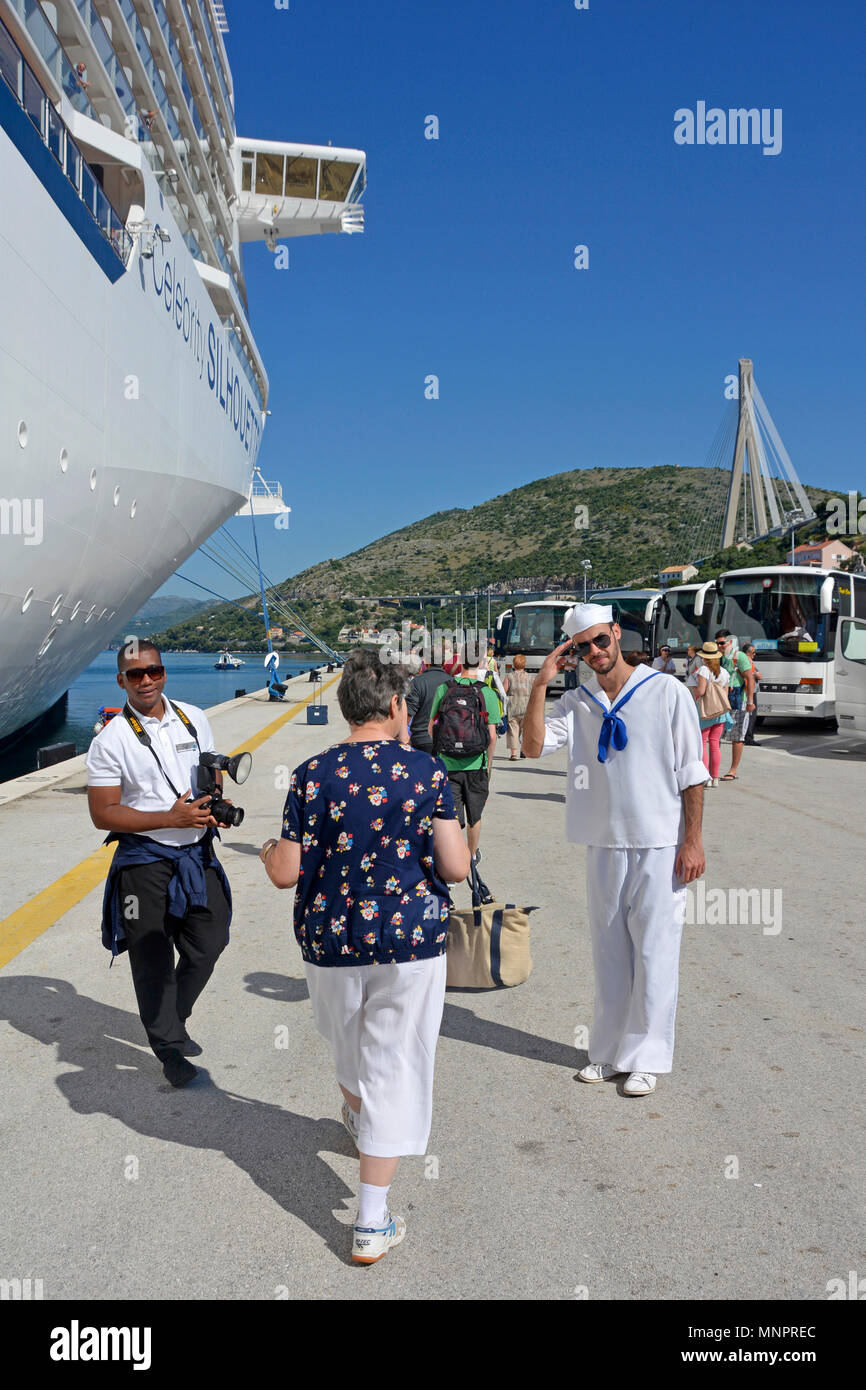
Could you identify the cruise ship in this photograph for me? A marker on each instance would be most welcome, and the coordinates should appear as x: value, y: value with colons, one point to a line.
x: 132, y: 393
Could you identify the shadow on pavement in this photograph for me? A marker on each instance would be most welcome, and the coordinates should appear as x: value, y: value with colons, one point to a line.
x: 460, y: 1024
x: 277, y: 1148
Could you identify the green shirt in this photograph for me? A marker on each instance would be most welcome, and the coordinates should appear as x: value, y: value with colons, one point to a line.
x: 736, y: 672
x: 491, y: 704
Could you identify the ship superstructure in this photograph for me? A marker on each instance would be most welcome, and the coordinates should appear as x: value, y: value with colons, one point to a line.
x: 132, y: 393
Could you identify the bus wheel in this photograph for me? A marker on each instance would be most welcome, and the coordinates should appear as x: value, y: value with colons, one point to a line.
x: 831, y: 725
x: 759, y: 719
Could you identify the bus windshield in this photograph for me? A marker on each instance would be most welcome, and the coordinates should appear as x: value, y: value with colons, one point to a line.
x: 629, y: 610
x: 778, y: 612
x: 677, y: 625
x: 535, y: 627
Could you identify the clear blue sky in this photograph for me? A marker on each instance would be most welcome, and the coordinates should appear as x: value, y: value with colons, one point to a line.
x: 556, y: 128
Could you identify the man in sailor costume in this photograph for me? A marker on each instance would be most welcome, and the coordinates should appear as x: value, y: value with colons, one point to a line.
x: 635, y: 799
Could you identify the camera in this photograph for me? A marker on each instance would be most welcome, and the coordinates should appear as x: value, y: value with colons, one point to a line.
x: 238, y: 768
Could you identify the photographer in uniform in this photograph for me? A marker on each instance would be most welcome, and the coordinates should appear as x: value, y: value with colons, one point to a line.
x: 165, y: 888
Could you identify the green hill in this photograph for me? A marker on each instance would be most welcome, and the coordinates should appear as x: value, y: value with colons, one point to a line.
x: 637, y: 520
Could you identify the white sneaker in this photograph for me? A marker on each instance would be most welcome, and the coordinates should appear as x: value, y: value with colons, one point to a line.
x: 350, y: 1120
x: 715, y: 781
x: 598, y: 1071
x: 370, y: 1243
x: 640, y: 1083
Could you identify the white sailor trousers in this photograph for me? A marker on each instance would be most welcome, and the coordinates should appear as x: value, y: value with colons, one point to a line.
x: 383, y: 1022
x: 636, y: 912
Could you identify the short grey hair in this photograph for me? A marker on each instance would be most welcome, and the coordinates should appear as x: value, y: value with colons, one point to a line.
x: 367, y: 685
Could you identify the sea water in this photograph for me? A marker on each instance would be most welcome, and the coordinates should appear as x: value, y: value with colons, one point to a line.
x: 190, y: 676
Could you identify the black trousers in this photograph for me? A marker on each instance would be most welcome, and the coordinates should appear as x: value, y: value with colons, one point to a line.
x: 166, y: 991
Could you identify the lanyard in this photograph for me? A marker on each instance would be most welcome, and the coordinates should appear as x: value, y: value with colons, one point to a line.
x: 613, y: 728
x: 144, y: 738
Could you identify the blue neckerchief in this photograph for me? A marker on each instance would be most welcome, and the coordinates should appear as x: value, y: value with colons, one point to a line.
x: 187, y: 886
x: 613, y: 728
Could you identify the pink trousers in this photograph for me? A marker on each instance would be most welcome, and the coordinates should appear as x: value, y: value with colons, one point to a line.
x: 712, y: 751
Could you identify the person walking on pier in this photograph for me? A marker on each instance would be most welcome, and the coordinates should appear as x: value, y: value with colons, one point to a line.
x: 370, y: 839
x: 710, y: 691
x: 634, y: 798
x: 518, y: 684
x: 165, y: 889
x: 463, y: 720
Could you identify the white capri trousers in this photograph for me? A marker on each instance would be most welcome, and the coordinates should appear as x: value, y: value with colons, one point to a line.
x: 636, y: 913
x: 382, y: 1022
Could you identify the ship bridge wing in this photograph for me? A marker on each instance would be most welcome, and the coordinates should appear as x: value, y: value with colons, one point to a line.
x: 297, y: 190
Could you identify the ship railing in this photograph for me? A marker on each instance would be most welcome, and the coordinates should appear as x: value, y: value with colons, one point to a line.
x: 37, y: 105
x: 51, y: 52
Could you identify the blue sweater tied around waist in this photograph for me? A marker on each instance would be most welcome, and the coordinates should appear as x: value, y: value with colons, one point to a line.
x: 187, y: 886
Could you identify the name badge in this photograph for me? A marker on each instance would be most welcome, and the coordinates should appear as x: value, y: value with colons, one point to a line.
x: 184, y: 747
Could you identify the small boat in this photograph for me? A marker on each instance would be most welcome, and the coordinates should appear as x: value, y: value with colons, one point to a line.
x: 106, y: 714
x: 227, y: 662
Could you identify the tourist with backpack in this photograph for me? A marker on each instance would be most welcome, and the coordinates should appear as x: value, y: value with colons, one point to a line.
x: 463, y: 722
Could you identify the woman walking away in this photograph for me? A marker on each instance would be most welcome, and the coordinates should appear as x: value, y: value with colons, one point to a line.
x: 518, y: 684
x: 371, y: 840
x: 711, y: 694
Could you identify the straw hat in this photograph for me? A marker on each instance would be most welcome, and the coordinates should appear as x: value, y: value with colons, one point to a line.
x: 710, y: 649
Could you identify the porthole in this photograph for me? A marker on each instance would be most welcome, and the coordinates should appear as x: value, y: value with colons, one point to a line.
x: 64, y: 460
x: 116, y: 496
x: 90, y: 614
x: 27, y: 600
x: 103, y: 614
x: 134, y: 507
x: 55, y: 607
x: 74, y: 614
x: 93, y: 480
x: 22, y: 433
x: 48, y: 640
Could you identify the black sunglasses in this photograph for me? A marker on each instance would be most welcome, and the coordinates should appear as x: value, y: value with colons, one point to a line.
x: 602, y: 641
x: 136, y: 674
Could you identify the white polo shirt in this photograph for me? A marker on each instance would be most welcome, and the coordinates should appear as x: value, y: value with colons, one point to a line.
x: 116, y: 758
x: 632, y: 801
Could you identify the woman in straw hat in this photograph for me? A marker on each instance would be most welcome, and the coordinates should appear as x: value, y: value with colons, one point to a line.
x: 709, y: 673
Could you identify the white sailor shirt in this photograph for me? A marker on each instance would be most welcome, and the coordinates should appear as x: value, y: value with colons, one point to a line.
x: 633, y: 800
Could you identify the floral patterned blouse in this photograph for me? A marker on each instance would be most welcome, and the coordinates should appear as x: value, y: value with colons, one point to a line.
x: 368, y: 893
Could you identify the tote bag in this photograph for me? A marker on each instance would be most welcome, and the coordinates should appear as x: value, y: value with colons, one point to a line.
x: 714, y: 701
x: 488, y: 943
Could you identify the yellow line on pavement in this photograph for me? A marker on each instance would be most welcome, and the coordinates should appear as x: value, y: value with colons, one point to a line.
x: 45, y: 908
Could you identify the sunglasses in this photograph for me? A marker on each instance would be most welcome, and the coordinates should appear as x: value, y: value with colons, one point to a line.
x: 602, y: 641
x: 137, y: 673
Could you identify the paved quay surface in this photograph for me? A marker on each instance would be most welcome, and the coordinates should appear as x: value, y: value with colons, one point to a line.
x: 535, y: 1186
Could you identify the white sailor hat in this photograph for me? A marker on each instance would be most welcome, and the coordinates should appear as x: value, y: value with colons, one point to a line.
x: 585, y: 615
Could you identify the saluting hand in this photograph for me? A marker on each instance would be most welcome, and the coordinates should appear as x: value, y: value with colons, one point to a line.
x: 549, y: 667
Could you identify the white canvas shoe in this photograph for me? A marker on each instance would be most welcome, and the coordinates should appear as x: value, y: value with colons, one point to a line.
x: 598, y: 1071
x: 639, y: 1083
x: 370, y: 1243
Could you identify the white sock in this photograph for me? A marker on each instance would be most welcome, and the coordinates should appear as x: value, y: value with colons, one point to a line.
x: 372, y: 1204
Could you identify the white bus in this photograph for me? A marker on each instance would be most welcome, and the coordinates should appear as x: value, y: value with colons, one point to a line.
x: 532, y: 628
x: 685, y: 617
x: 851, y: 675
x: 792, y: 614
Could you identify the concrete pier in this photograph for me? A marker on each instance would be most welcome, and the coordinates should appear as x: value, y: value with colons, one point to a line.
x: 741, y: 1177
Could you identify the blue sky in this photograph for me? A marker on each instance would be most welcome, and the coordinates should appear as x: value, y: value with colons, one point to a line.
x: 556, y: 129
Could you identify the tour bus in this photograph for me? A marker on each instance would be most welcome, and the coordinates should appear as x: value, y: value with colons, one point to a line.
x: 792, y: 614
x: 533, y: 628
x: 637, y: 612
x: 851, y: 675
x: 685, y: 617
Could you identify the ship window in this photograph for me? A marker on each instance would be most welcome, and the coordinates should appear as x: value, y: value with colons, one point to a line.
x: 74, y: 614
x: 269, y: 174
x: 27, y: 600
x: 55, y: 608
x: 301, y: 178
x: 9, y: 60
x: 337, y: 176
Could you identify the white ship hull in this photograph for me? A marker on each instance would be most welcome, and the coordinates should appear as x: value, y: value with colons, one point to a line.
x: 126, y: 425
